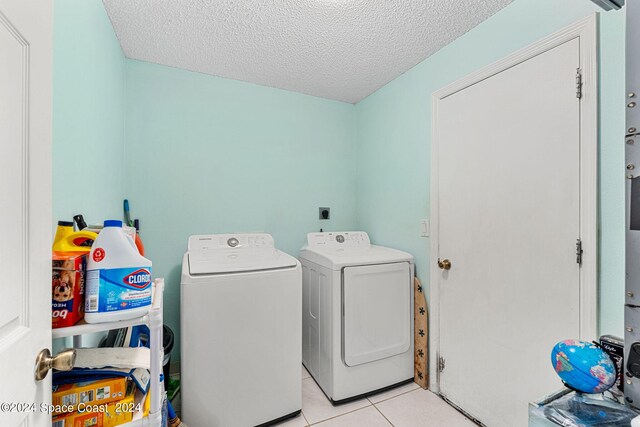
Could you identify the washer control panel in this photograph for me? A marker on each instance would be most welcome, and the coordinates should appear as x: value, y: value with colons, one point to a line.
x: 339, y: 240
x: 236, y: 241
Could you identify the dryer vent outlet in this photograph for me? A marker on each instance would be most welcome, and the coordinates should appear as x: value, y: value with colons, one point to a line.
x: 324, y: 213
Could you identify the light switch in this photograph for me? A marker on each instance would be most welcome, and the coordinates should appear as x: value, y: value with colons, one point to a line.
x: 424, y: 228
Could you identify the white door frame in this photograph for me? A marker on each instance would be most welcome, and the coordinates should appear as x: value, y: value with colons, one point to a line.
x: 586, y: 30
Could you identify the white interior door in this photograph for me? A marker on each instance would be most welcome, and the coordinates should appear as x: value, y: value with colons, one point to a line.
x: 509, y: 216
x: 25, y: 207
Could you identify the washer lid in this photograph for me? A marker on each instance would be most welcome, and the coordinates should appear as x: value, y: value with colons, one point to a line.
x: 336, y: 250
x: 235, y: 253
x: 219, y: 262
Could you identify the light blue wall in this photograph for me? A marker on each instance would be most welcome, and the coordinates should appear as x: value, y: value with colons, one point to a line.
x: 208, y: 155
x: 88, y: 113
x: 88, y: 117
x: 211, y: 155
x: 394, y: 131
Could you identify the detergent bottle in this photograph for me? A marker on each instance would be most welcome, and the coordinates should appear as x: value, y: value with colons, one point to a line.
x: 63, y: 229
x: 118, y: 284
x: 67, y: 240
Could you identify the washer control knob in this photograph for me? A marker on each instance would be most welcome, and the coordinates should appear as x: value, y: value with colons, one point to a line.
x: 233, y: 242
x: 340, y: 238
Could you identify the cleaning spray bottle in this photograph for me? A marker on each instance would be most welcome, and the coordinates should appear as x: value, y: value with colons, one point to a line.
x: 118, y: 278
x: 82, y: 225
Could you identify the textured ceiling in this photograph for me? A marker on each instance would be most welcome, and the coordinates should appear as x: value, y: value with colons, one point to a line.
x: 337, y: 49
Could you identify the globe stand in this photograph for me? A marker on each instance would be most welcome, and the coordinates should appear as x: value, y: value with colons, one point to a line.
x: 580, y: 392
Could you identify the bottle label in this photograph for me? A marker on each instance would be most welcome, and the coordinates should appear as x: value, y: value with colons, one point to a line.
x: 117, y: 289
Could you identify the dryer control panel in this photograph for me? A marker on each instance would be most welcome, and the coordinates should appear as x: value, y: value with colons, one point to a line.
x: 339, y: 240
x: 230, y: 241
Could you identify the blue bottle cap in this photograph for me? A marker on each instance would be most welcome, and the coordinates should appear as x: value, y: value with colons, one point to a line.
x: 113, y: 223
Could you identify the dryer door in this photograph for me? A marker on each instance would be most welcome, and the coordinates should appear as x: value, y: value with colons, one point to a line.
x: 376, y: 312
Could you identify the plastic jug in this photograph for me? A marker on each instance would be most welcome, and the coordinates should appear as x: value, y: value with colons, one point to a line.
x: 63, y: 229
x: 67, y: 240
x: 118, y: 281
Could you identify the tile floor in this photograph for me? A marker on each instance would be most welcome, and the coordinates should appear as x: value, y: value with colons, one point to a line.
x: 404, y: 406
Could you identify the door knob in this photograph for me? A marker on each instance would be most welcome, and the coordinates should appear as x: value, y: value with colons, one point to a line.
x: 62, y: 361
x: 445, y: 264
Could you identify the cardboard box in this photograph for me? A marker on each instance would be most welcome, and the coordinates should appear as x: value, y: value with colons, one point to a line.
x: 108, y: 415
x: 122, y: 411
x: 75, y: 419
x: 67, y: 289
x: 89, y: 393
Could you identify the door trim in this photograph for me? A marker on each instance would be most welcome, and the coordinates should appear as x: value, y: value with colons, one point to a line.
x: 586, y: 30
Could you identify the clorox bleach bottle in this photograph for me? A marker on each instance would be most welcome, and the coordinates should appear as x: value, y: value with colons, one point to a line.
x: 118, y: 281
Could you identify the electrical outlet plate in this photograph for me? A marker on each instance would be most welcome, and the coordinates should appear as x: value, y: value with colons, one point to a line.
x: 321, y: 212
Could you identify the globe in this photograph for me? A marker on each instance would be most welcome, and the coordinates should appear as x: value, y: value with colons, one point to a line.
x: 583, y: 366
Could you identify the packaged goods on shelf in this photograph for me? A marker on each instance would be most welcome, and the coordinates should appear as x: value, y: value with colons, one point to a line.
x: 104, y: 415
x: 67, y: 289
x: 69, y: 396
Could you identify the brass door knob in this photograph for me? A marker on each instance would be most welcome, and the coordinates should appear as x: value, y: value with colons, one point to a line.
x: 445, y: 264
x: 62, y: 361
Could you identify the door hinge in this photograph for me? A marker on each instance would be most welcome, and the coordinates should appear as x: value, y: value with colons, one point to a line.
x: 579, y: 251
x: 578, y: 83
x: 440, y: 364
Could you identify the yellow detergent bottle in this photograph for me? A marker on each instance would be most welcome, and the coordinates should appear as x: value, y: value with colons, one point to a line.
x: 67, y: 240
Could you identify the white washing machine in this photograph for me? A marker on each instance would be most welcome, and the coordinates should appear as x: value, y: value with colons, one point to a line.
x: 357, y: 314
x: 240, y: 332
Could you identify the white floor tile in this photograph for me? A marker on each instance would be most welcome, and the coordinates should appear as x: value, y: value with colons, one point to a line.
x: 367, y: 417
x: 421, y: 408
x: 298, y: 421
x: 305, y: 373
x: 316, y: 407
x: 393, y: 392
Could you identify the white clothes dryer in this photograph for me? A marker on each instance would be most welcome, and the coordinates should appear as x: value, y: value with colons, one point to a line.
x: 240, y: 332
x: 357, y: 316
